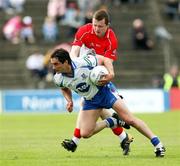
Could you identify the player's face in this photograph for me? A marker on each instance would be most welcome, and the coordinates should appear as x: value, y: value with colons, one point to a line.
x: 57, y: 66
x: 99, y: 27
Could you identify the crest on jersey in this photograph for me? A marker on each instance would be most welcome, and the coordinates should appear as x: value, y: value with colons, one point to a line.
x: 114, y: 52
x: 84, y: 76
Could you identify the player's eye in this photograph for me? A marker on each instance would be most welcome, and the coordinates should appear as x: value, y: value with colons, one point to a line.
x: 55, y: 64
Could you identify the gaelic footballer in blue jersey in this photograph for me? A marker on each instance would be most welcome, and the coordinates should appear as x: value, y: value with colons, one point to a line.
x: 74, y: 75
x: 77, y: 68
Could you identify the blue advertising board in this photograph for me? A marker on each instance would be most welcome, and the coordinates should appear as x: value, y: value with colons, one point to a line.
x: 0, y: 101
x: 36, y: 101
x: 51, y: 100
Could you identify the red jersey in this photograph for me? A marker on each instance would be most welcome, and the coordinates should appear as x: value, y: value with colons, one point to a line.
x: 105, y: 46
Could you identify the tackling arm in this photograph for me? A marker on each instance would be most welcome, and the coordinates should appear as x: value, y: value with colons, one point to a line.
x: 75, y: 50
x: 108, y: 63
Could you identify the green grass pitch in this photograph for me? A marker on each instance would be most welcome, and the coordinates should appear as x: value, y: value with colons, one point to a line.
x: 34, y: 140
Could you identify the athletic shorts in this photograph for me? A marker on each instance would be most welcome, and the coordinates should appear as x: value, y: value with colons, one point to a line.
x: 105, y: 98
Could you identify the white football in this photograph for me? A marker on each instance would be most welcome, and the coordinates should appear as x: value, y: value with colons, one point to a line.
x: 97, y: 73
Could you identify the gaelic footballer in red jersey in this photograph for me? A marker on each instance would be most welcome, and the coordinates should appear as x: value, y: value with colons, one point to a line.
x: 99, y: 37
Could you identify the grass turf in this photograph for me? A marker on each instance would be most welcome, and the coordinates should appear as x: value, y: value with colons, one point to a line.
x: 34, y: 140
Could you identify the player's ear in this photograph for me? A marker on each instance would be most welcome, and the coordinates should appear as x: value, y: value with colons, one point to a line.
x: 67, y: 62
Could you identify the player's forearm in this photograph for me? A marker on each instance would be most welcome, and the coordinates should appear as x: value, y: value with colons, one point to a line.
x: 108, y: 63
x: 75, y: 50
x: 67, y: 94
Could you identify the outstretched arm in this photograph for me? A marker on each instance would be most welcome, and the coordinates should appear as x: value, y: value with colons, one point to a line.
x: 68, y: 96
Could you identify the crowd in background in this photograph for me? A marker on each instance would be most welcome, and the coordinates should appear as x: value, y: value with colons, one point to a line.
x: 70, y: 14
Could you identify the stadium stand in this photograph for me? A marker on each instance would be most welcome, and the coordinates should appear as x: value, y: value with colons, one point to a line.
x: 173, y: 26
x: 134, y: 68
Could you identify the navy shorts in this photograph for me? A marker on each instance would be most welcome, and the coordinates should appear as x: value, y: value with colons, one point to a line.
x: 105, y: 98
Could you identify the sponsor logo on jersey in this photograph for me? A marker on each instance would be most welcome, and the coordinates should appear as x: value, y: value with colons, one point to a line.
x: 83, y: 87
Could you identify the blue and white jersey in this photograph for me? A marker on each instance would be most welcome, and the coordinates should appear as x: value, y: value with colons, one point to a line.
x: 79, y: 81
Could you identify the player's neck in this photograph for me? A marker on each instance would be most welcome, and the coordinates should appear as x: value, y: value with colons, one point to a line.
x: 69, y: 70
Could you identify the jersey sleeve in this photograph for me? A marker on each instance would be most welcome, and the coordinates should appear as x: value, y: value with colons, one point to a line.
x: 80, y: 35
x: 58, y: 80
x: 90, y: 60
x: 111, y: 51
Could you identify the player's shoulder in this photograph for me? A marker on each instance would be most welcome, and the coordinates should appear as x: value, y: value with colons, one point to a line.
x: 86, y: 28
x: 111, y: 33
x: 77, y: 62
x: 58, y: 79
x: 112, y: 36
x: 86, y: 60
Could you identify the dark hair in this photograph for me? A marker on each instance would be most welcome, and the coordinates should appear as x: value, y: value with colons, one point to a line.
x: 100, y: 15
x: 62, y: 55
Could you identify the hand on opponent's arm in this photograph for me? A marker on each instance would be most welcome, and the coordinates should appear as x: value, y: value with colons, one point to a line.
x: 108, y: 63
x: 105, y: 79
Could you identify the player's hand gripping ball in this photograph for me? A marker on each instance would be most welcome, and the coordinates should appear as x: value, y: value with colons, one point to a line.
x: 97, y: 73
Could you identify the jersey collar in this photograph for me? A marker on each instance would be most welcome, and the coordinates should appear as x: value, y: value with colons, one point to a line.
x: 73, y: 66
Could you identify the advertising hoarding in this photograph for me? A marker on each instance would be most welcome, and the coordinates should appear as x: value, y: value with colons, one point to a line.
x: 35, y: 101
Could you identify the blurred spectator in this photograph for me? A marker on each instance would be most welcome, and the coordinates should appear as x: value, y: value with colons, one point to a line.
x: 172, y: 9
x: 73, y: 18
x: 140, y: 38
x: 5, y: 5
x: 83, y: 5
x: 136, y: 1
x: 27, y: 33
x: 119, y: 2
x: 1, y: 4
x: 50, y: 30
x: 87, y: 8
x: 157, y: 82
x: 35, y: 64
x: 12, y: 6
x: 162, y: 33
x: 17, y: 29
x: 171, y: 79
x: 17, y: 5
x: 87, y: 5
x: 88, y: 16
x: 12, y: 29
x: 56, y: 9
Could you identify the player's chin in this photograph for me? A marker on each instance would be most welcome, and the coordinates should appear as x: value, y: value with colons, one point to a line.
x: 98, y: 34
